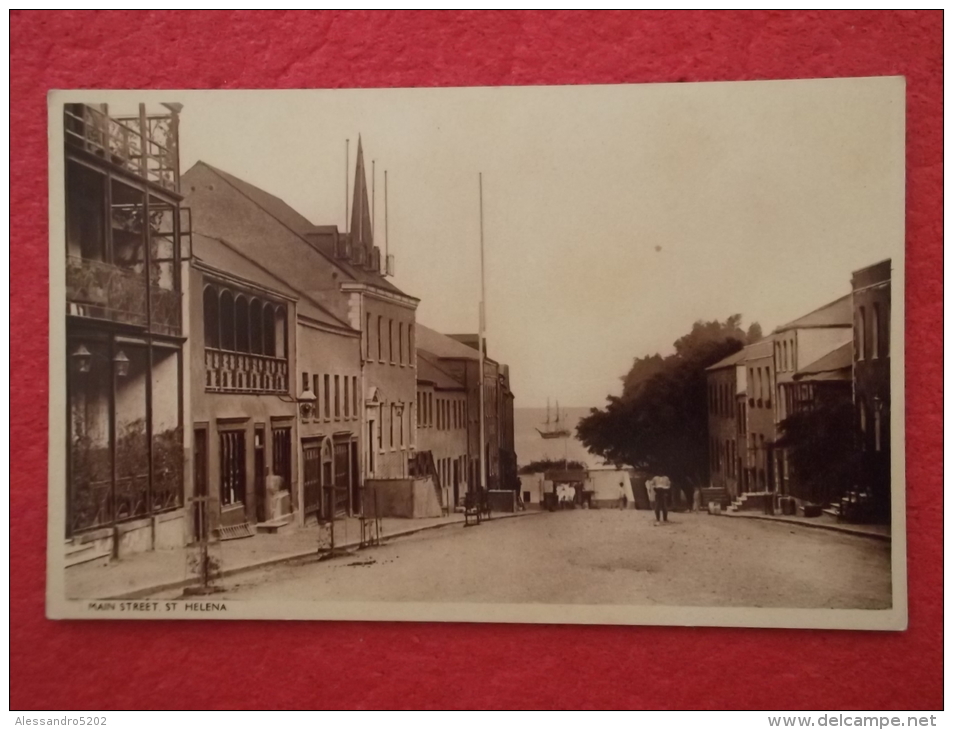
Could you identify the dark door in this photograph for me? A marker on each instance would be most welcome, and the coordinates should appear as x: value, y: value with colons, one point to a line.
x: 311, y: 455
x: 261, y: 508
x: 355, y: 480
x: 232, y: 453
x: 456, y: 481
x: 200, y: 484
x: 342, y: 477
x: 281, y: 455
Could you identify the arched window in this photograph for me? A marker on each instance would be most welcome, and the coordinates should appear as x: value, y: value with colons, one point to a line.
x: 268, y: 330
x: 861, y: 334
x: 227, y: 306
x: 281, y: 332
x: 875, y: 332
x: 241, y: 324
x: 210, y: 311
x: 255, y: 327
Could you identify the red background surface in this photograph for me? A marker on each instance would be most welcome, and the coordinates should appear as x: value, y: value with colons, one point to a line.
x: 100, y: 665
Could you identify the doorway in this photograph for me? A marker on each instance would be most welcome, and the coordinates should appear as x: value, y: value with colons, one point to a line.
x: 261, y: 508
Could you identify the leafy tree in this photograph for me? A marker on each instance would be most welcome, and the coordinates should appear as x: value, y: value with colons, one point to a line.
x: 660, y: 423
x: 821, y: 449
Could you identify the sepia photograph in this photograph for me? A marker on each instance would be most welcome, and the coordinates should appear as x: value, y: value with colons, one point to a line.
x: 626, y: 354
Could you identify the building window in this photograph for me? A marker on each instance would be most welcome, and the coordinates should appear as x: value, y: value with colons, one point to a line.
x: 392, y: 414
x: 337, y: 397
x: 304, y: 381
x: 327, y: 396
x: 400, y: 414
x: 861, y: 335
x: 380, y: 342
x: 390, y: 340
x: 367, y: 336
x: 347, y: 397
x: 380, y: 432
x: 232, y: 459
x: 355, y: 395
x: 400, y: 342
x: 410, y: 344
x: 875, y: 332
x: 862, y: 415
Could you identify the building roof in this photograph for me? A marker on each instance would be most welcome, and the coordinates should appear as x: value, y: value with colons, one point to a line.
x: 732, y: 359
x: 833, y: 365
x: 761, y: 349
x: 428, y: 371
x: 312, y: 236
x: 835, y: 314
x: 221, y: 255
x: 444, y: 347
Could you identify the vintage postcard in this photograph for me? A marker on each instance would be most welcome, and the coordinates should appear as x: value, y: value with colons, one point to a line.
x: 592, y: 354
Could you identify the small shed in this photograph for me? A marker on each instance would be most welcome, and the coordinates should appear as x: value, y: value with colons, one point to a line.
x: 604, y: 483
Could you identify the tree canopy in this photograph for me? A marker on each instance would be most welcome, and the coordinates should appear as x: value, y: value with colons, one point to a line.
x: 821, y: 449
x: 660, y: 422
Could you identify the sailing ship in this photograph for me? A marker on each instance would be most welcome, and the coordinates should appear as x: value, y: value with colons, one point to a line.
x: 554, y: 429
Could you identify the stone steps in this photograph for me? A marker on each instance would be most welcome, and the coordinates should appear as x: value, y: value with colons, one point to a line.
x: 273, y: 527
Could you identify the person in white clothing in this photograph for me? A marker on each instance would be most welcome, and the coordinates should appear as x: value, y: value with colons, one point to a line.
x: 662, y: 487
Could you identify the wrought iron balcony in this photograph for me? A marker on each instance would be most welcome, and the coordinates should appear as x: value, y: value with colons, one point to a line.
x: 145, y: 146
x: 241, y: 372
x: 102, y: 291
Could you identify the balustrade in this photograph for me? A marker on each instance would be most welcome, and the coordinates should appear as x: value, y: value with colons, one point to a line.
x: 241, y: 372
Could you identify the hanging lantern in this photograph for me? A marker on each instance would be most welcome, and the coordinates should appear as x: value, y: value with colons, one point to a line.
x: 306, y: 402
x: 121, y: 364
x: 82, y: 358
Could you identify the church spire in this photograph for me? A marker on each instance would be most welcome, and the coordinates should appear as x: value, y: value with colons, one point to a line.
x: 362, y: 233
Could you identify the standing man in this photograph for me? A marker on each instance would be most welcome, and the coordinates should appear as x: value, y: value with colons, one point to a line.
x: 650, y: 493
x: 623, y: 500
x: 662, y: 487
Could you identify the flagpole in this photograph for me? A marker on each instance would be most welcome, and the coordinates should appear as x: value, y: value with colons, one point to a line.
x: 347, y: 181
x: 482, y: 346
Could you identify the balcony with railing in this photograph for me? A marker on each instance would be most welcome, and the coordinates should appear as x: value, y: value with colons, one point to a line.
x: 242, y: 372
x: 145, y: 145
x: 98, y: 290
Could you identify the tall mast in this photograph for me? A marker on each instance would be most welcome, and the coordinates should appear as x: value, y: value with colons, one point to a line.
x: 347, y: 183
x: 482, y: 327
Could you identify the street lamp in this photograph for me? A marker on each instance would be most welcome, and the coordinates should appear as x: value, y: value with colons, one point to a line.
x: 306, y: 402
x: 83, y: 359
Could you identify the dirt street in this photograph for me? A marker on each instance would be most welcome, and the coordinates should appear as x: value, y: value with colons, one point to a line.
x: 600, y: 557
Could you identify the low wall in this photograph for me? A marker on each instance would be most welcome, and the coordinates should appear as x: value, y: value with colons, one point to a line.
x: 135, y: 536
x: 502, y: 500
x: 408, y: 498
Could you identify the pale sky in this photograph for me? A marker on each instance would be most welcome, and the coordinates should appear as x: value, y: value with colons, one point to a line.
x: 615, y: 216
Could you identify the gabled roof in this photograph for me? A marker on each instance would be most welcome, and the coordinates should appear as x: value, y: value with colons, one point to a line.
x: 732, y: 359
x: 313, y: 237
x: 221, y: 255
x: 428, y: 371
x: 833, y: 365
x: 835, y: 314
